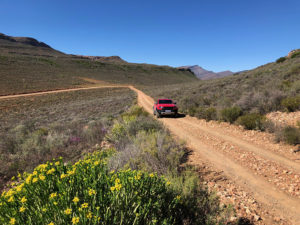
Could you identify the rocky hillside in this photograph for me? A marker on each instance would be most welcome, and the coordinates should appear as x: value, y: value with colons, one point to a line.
x: 204, y: 74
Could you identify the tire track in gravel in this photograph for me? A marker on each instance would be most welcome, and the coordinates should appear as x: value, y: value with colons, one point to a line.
x: 266, y: 193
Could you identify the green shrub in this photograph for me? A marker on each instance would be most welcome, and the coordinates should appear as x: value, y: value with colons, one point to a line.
x: 280, y: 60
x: 231, y: 114
x: 143, y: 144
x: 206, y: 113
x: 210, y: 114
x: 95, y: 196
x: 296, y: 54
x: 291, y: 135
x: 291, y: 104
x: 252, y: 121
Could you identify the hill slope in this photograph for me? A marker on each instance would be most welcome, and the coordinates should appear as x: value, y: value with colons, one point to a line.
x: 27, y: 65
x: 259, y: 90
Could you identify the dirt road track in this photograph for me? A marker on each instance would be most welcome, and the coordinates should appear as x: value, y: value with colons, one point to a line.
x: 188, y: 129
x: 57, y: 91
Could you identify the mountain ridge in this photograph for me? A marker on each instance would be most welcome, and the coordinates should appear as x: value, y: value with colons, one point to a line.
x: 204, y: 74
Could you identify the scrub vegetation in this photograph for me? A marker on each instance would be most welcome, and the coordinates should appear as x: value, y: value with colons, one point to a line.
x: 36, y: 129
x: 26, y: 68
x: 150, y: 187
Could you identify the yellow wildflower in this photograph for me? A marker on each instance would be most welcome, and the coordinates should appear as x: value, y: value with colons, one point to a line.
x: 84, y: 205
x: 12, y: 221
x: 89, y: 215
x: 151, y: 175
x: 22, y: 209
x: 112, y: 188
x: 92, y: 192
x: 42, y: 167
x: 68, y: 211
x: 137, y: 177
x: 42, y: 177
x: 75, y: 220
x: 20, y: 187
x: 51, y: 171
x: 62, y: 176
x: 51, y: 223
x: 34, y: 180
x: 118, y: 187
x: 53, y: 195
x: 178, y: 197
x: 34, y: 172
x: 28, y: 179
x: 71, y: 172
x: 11, y: 199
x: 96, y: 163
x: 13, y: 178
x: 3, y: 193
x: 75, y: 200
x: 168, y: 183
x: 23, y: 200
x: 55, y: 203
x: 44, y: 210
x: 117, y: 180
x: 8, y: 193
x: 57, y: 163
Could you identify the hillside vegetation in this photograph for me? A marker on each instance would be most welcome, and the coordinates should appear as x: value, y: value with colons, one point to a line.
x: 27, y: 68
x: 36, y: 129
x: 271, y: 87
x: 150, y: 186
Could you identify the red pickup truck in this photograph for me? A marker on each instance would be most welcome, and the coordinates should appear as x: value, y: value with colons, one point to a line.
x: 165, y: 107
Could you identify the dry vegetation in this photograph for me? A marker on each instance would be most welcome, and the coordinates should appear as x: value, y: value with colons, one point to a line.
x: 241, y: 98
x: 25, y: 68
x: 36, y: 129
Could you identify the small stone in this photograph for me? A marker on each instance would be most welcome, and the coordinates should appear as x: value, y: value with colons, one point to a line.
x: 248, y: 211
x: 277, y: 219
x: 233, y: 218
x: 256, y: 217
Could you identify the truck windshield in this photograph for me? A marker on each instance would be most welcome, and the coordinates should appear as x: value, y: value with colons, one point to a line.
x: 165, y: 101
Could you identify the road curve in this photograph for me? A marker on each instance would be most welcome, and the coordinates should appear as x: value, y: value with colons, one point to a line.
x: 187, y: 129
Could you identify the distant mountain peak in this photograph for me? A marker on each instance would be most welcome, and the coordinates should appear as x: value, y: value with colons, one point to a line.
x: 204, y: 74
x: 24, y: 40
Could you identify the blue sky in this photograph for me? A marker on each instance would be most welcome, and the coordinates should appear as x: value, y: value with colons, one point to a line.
x: 215, y: 34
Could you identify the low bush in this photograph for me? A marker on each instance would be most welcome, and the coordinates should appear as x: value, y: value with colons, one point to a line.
x: 291, y: 135
x: 291, y: 104
x: 252, y: 121
x: 87, y: 193
x: 296, y: 54
x: 230, y: 114
x: 206, y: 113
x: 280, y: 60
x: 143, y: 144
